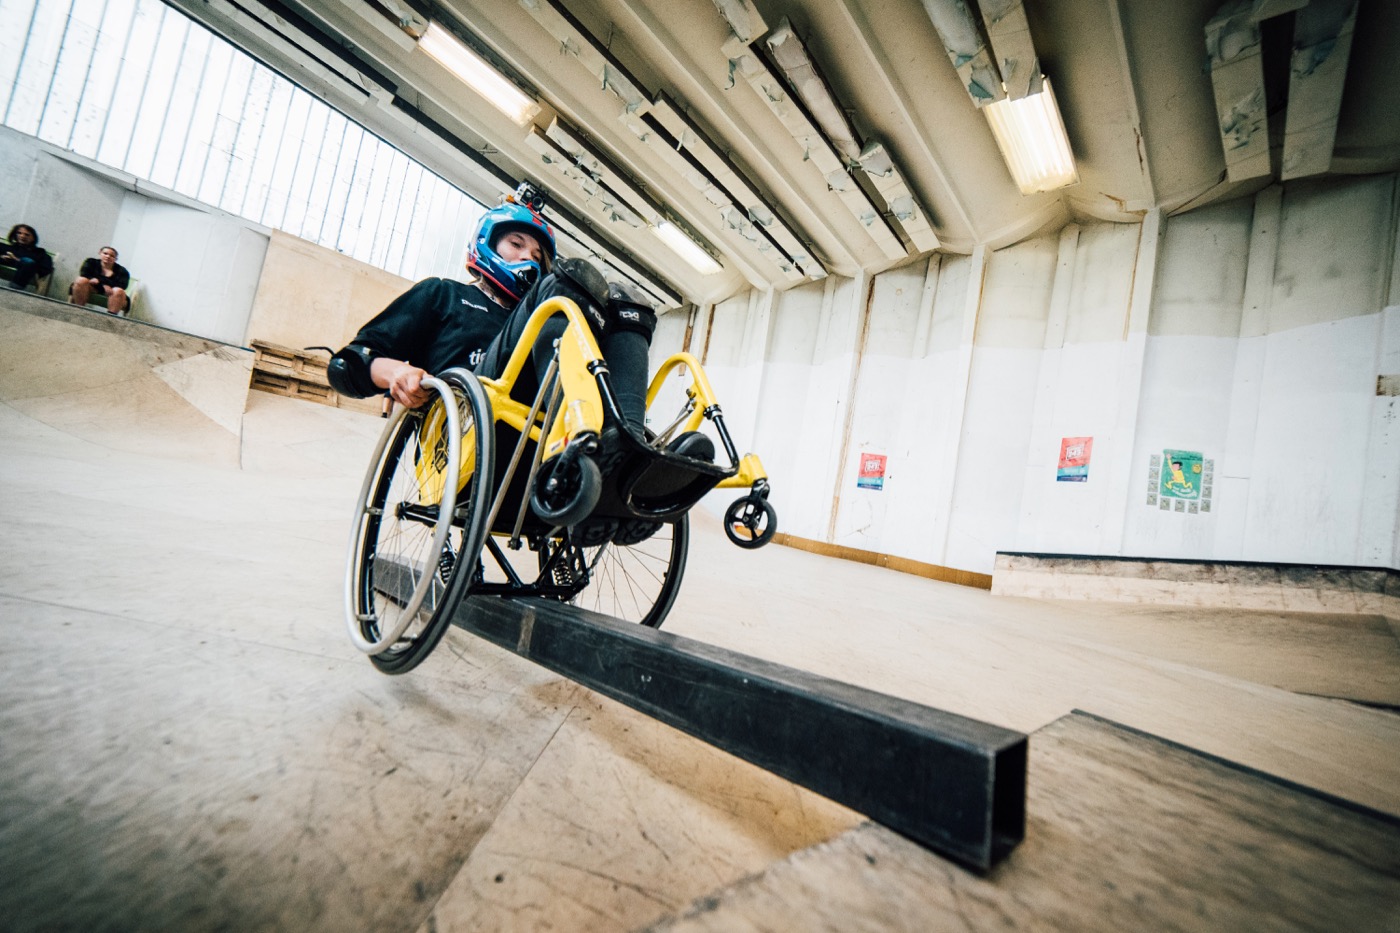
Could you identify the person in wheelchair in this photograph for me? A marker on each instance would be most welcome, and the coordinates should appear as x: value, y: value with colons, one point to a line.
x: 451, y: 506
x: 441, y: 323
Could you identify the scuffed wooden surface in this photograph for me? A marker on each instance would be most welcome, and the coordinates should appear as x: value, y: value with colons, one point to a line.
x: 1125, y: 833
x: 624, y: 820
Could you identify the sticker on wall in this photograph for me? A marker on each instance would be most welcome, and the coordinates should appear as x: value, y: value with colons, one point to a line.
x: 1181, y: 475
x: 1180, y: 481
x: 1074, y: 459
x: 872, y: 472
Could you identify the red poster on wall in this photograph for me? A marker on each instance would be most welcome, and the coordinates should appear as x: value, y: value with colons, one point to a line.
x: 1074, y: 459
x: 872, y: 472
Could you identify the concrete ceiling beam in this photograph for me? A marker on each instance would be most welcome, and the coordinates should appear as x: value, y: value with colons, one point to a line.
x: 741, y: 212
x: 1237, y: 78
x: 1010, y: 36
x: 809, y: 226
x: 855, y: 16
x: 1322, y: 34
x: 867, y: 156
x: 1131, y: 100
x: 613, y: 198
x: 816, y: 151
x: 967, y: 50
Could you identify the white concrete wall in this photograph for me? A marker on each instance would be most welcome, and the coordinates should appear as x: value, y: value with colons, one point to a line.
x: 197, y: 268
x: 1253, y: 331
x: 198, y: 271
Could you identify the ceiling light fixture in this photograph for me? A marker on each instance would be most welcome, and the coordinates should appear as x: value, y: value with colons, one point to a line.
x: 1033, y: 142
x: 686, y: 248
x: 478, y: 74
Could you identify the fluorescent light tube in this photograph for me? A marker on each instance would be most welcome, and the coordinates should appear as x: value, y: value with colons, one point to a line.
x: 686, y: 248
x: 476, y: 73
x: 1033, y: 142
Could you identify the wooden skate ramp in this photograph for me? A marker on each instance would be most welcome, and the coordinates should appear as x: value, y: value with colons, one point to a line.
x: 122, y: 384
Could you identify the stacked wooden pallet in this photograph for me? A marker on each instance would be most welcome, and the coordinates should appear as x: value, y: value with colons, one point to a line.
x: 301, y: 374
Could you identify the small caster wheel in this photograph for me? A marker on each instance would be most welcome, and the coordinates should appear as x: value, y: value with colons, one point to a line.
x: 750, y: 522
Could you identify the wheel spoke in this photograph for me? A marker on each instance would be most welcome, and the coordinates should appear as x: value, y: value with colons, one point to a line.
x: 412, y: 557
x: 636, y: 583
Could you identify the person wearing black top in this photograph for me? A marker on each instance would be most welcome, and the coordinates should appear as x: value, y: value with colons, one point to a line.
x: 105, y: 276
x: 440, y: 323
x: 24, y: 254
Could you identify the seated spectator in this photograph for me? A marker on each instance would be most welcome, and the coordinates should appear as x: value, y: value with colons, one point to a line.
x: 102, y: 276
x: 23, y: 252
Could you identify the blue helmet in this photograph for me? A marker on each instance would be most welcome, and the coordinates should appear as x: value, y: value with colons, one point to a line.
x: 513, y: 278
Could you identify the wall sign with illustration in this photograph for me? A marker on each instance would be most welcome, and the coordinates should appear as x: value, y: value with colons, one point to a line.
x: 1180, y: 481
x: 1074, y: 459
x: 872, y: 472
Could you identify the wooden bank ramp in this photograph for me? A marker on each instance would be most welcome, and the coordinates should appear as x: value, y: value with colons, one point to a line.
x: 1121, y: 829
x: 1124, y: 832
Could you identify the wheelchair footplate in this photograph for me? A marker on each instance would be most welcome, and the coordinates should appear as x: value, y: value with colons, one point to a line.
x: 647, y: 482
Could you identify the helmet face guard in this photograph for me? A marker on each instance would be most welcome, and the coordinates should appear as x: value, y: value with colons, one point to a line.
x: 513, y: 278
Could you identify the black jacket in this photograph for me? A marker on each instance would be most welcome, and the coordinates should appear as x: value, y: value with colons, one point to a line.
x: 43, y: 264
x: 435, y: 325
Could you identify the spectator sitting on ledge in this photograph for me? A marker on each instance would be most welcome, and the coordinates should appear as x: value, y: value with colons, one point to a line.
x: 107, y: 277
x: 24, y: 254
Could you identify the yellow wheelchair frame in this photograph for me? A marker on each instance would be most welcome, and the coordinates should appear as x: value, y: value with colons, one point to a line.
x: 580, y: 519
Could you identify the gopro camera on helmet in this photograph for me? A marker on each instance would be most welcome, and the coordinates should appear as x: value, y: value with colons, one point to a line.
x: 530, y: 196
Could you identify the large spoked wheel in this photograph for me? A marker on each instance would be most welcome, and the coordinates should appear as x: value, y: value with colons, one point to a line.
x: 417, y: 538
x: 637, y: 582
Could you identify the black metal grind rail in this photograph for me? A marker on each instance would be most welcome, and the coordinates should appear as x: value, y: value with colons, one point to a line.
x: 948, y: 782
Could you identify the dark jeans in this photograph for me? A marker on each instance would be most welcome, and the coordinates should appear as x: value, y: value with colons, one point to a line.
x: 26, y: 271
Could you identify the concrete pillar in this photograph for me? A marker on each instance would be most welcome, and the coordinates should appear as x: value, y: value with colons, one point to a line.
x: 857, y: 319
x: 1232, y: 479
x: 1380, y: 515
x: 923, y: 332
x: 741, y: 403
x: 941, y: 520
x: 1043, y: 452
x: 1121, y: 485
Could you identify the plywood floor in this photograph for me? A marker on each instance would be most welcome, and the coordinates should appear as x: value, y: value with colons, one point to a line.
x: 188, y: 741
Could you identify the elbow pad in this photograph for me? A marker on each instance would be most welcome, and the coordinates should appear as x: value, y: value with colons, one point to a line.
x: 348, y: 372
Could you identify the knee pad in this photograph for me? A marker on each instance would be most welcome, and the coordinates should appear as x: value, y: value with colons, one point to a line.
x: 583, y: 275
x: 628, y: 311
x: 580, y: 280
x: 348, y: 372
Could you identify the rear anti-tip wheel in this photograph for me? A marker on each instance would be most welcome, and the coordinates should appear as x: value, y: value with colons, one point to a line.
x: 566, y: 489
x: 750, y: 522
